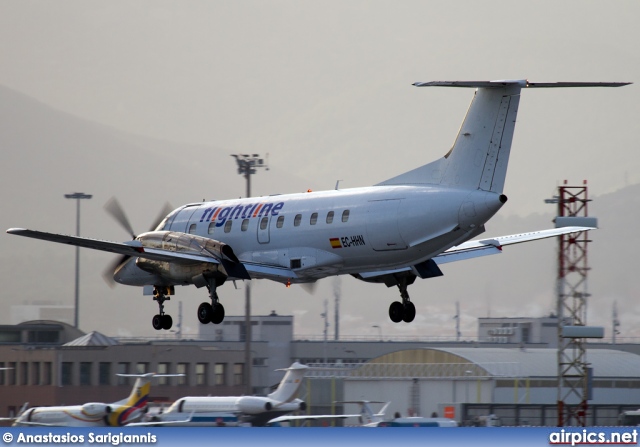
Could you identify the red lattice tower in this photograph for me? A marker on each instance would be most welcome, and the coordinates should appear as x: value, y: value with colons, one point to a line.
x: 573, y: 268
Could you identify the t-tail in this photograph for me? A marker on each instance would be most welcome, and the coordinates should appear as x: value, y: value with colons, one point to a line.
x: 290, y: 384
x: 367, y: 416
x: 133, y: 407
x: 480, y: 153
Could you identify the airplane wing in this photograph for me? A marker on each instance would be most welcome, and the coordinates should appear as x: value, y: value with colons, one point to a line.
x: 135, y: 248
x: 476, y: 249
x: 159, y: 423
x: 312, y: 417
x: 131, y: 248
x: 493, y: 246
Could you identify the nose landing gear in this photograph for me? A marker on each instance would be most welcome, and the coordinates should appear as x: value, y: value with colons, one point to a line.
x: 161, y: 320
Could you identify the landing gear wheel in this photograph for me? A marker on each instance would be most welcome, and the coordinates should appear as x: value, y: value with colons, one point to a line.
x: 409, y: 312
x: 396, y: 311
x: 218, y: 313
x: 157, y: 322
x: 167, y: 322
x: 205, y: 312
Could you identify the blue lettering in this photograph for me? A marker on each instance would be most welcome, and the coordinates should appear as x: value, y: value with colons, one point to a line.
x: 222, y: 216
x: 266, y: 209
x: 276, y: 209
x: 244, y: 212
x: 207, y: 214
x: 237, y: 210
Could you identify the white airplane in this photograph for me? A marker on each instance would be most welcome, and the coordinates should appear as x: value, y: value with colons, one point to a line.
x: 392, y: 233
x: 94, y: 414
x: 237, y: 410
x: 366, y: 417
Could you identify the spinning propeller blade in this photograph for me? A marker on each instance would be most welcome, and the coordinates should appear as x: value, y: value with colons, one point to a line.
x: 116, y: 211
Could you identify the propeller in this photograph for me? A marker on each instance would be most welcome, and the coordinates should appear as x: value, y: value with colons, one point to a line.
x: 116, y: 211
x: 114, y: 208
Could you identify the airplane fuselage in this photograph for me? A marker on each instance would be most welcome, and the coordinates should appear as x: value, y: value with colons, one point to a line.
x: 88, y: 415
x: 318, y: 234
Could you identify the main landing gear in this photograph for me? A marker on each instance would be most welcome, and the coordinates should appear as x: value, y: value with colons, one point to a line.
x: 405, y: 310
x: 214, y: 312
x: 161, y: 320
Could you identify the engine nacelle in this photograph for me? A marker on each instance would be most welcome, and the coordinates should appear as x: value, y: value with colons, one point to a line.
x: 184, y: 243
x: 187, y: 243
x: 254, y: 405
x: 95, y: 409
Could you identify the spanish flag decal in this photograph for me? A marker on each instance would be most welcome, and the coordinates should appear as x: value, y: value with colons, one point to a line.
x: 335, y: 242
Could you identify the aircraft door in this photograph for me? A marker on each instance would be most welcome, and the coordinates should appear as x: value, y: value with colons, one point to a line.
x: 382, y: 225
x: 263, y: 229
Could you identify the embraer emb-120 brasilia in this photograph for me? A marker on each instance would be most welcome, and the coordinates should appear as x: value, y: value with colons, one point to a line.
x: 391, y: 233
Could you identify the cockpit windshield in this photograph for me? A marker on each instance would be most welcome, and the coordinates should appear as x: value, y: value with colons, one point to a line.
x: 165, y: 223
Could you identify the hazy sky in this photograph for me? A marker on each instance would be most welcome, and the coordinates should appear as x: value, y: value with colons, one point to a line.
x: 325, y: 87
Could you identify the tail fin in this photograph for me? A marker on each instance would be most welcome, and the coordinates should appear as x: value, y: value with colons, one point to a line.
x: 123, y: 410
x: 290, y: 383
x: 367, y: 416
x: 132, y: 408
x: 480, y: 153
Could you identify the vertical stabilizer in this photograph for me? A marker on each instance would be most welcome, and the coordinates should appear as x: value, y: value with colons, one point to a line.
x: 480, y: 153
x: 131, y: 408
x: 290, y: 383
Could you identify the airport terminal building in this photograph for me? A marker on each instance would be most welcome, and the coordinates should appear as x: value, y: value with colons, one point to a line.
x: 52, y: 363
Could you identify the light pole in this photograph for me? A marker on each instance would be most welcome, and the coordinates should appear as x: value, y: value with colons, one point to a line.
x: 247, y: 164
x: 78, y: 196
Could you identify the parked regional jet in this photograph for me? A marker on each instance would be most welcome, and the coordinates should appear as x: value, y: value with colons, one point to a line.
x: 94, y: 414
x: 235, y: 410
x: 398, y: 230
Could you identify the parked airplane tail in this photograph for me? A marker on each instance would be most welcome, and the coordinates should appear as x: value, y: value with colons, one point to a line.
x: 480, y: 153
x: 290, y: 383
x: 133, y: 407
x: 367, y: 416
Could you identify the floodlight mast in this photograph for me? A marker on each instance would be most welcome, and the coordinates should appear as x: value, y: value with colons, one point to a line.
x: 78, y: 196
x: 247, y: 164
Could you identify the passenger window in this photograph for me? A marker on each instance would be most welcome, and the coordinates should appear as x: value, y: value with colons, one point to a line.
x: 330, y: 217
x: 264, y: 222
x: 297, y: 220
x: 280, y: 221
x: 345, y: 215
x: 192, y: 228
x: 212, y: 227
x: 314, y: 219
x: 245, y: 224
x: 227, y: 226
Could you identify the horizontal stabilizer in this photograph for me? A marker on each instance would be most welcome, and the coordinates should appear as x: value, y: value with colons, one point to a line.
x: 521, y: 82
